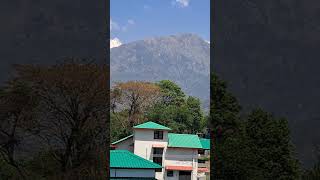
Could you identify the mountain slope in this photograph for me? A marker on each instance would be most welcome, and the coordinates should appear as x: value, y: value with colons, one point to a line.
x: 182, y: 58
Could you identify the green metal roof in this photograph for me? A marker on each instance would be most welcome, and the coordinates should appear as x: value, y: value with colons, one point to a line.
x: 205, y: 143
x: 126, y: 159
x: 184, y: 141
x: 116, y: 142
x: 151, y: 125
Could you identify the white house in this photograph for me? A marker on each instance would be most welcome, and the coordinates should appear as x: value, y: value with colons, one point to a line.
x: 177, y: 154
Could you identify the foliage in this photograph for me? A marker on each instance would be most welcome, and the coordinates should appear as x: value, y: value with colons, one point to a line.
x: 17, y: 123
x: 135, y: 98
x: 180, y: 112
x: 256, y: 146
x: 163, y: 102
x: 68, y: 117
x: 269, y: 140
x: 172, y: 94
x: 314, y: 172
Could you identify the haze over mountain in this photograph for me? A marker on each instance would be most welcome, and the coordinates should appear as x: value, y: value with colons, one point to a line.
x: 182, y: 58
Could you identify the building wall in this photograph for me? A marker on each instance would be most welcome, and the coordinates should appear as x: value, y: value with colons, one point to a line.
x: 143, y: 141
x: 132, y: 173
x: 125, y: 145
x: 183, y: 157
x: 175, y: 176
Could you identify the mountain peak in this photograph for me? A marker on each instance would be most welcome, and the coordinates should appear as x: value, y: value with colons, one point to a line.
x: 183, y: 58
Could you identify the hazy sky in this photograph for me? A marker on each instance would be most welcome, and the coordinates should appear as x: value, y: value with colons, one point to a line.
x: 138, y: 19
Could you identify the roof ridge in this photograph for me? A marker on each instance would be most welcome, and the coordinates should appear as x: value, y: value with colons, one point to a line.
x: 151, y: 125
x: 122, y: 139
x: 183, y: 134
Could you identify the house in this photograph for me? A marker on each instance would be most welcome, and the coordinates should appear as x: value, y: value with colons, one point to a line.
x: 126, y: 165
x: 177, y: 154
x: 204, y: 156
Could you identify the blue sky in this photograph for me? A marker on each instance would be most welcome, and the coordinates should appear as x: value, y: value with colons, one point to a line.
x: 139, y: 19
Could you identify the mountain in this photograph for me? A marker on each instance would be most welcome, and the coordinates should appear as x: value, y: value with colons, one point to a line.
x: 182, y: 58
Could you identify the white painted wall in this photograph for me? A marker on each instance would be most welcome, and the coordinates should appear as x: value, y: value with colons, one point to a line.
x: 183, y: 157
x: 202, y: 176
x: 143, y: 141
x: 125, y: 145
x: 132, y: 173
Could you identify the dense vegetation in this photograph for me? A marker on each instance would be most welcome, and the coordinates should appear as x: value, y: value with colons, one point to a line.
x: 53, y: 122
x: 54, y: 125
x: 135, y: 102
x: 248, y: 146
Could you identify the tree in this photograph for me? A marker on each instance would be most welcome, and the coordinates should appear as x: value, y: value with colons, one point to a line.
x: 135, y: 98
x: 17, y: 106
x: 196, y: 114
x: 73, y: 105
x: 172, y: 94
x: 183, y: 114
x: 224, y: 123
x: 269, y: 139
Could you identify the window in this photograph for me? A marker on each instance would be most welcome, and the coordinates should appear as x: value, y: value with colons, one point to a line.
x: 169, y: 173
x: 157, y: 160
x: 158, y: 134
x: 158, y: 151
x: 200, y: 151
x: 201, y: 161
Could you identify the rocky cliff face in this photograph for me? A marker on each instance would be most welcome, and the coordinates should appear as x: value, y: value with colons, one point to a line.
x: 183, y: 58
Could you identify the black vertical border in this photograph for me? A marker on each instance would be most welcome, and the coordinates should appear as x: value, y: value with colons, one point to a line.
x: 107, y: 51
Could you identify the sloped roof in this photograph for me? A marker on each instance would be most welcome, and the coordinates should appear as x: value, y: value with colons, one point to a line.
x: 151, y: 125
x: 184, y: 141
x: 120, y: 140
x: 205, y: 143
x: 126, y: 159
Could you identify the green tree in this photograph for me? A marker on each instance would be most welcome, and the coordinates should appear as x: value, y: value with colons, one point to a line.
x: 172, y: 94
x: 180, y: 112
x: 269, y: 139
x: 196, y: 114
x: 256, y: 146
x: 224, y: 124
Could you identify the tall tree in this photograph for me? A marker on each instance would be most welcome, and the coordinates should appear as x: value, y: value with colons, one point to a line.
x: 196, y: 114
x: 182, y: 113
x: 256, y: 146
x: 172, y: 94
x: 224, y: 121
x: 73, y: 99
x: 135, y: 97
x: 17, y: 105
x: 270, y: 142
